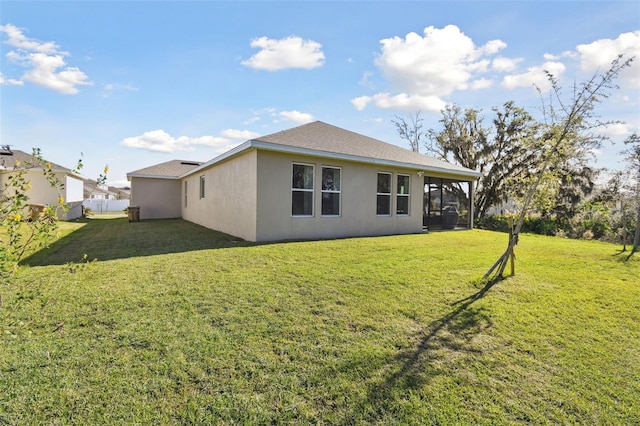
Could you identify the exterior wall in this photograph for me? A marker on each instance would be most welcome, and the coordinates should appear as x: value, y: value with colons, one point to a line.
x: 229, y: 203
x: 74, y: 189
x: 358, y: 201
x: 41, y: 191
x: 74, y: 212
x: 157, y: 198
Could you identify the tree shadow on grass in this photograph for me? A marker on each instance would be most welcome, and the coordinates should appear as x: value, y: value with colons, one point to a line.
x: 441, y: 344
x: 109, y: 239
x: 627, y: 254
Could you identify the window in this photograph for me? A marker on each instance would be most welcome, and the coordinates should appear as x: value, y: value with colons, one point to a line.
x: 331, y: 191
x: 201, y: 186
x: 402, y: 195
x: 302, y: 190
x: 185, y: 193
x: 383, y: 201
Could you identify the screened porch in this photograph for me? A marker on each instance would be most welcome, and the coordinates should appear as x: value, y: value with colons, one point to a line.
x: 447, y: 204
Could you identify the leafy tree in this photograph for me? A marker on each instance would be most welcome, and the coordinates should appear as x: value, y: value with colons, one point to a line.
x: 568, y: 129
x: 576, y: 181
x: 20, y: 227
x: 632, y: 156
x: 23, y: 229
x: 503, y: 153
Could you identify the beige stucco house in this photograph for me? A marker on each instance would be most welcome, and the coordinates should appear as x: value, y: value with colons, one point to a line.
x: 41, y: 192
x: 314, y: 181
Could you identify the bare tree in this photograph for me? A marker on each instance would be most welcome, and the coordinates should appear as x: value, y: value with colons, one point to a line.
x: 564, y: 123
x: 411, y: 130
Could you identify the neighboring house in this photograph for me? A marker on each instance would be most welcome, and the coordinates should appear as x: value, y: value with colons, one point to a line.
x: 102, y: 199
x: 93, y: 191
x: 41, y: 191
x: 157, y: 189
x: 120, y: 193
x: 314, y: 181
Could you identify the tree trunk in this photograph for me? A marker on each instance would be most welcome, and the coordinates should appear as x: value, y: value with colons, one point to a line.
x: 636, y: 240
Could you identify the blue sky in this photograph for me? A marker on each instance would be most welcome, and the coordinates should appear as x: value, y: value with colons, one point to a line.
x: 131, y: 84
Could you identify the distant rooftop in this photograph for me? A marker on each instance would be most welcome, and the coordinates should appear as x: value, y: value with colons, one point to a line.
x: 9, y: 157
x: 169, y: 169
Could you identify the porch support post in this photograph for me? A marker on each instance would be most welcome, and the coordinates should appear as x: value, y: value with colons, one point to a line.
x: 471, y: 202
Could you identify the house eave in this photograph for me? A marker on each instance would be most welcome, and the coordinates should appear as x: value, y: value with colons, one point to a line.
x: 231, y: 153
x: 130, y: 175
x: 267, y: 146
x: 38, y: 169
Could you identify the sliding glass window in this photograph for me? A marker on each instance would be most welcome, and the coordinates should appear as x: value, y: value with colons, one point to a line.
x: 302, y: 190
x: 383, y: 198
x: 402, y: 195
x: 331, y: 179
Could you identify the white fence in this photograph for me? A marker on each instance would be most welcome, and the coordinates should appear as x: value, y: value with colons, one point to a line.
x: 103, y: 206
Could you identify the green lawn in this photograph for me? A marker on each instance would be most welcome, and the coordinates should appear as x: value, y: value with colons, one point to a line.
x: 175, y: 323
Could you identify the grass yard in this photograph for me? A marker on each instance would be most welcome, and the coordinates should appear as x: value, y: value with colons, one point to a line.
x: 175, y: 323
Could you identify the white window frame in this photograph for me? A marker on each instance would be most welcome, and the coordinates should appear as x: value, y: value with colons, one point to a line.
x: 389, y: 194
x: 186, y: 192
x: 401, y: 195
x: 310, y: 190
x: 331, y: 191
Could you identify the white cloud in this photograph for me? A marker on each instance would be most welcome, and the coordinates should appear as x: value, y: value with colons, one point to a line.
x: 494, y: 46
x: 616, y: 130
x: 535, y: 76
x: 481, y: 83
x: 401, y: 101
x: 366, y: 79
x: 424, y: 69
x: 503, y: 64
x: 9, y: 81
x: 109, y: 89
x: 290, y: 52
x: 251, y: 120
x: 161, y: 141
x: 20, y: 41
x: 296, y: 116
x: 44, y: 61
x: 599, y: 54
x: 239, y: 134
x: 361, y: 102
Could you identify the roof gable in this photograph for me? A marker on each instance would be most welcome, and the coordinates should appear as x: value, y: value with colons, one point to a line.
x: 325, y: 138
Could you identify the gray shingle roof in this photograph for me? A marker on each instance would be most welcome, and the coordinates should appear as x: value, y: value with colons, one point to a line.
x: 169, y: 169
x: 8, y: 161
x: 323, y: 137
x: 318, y: 139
